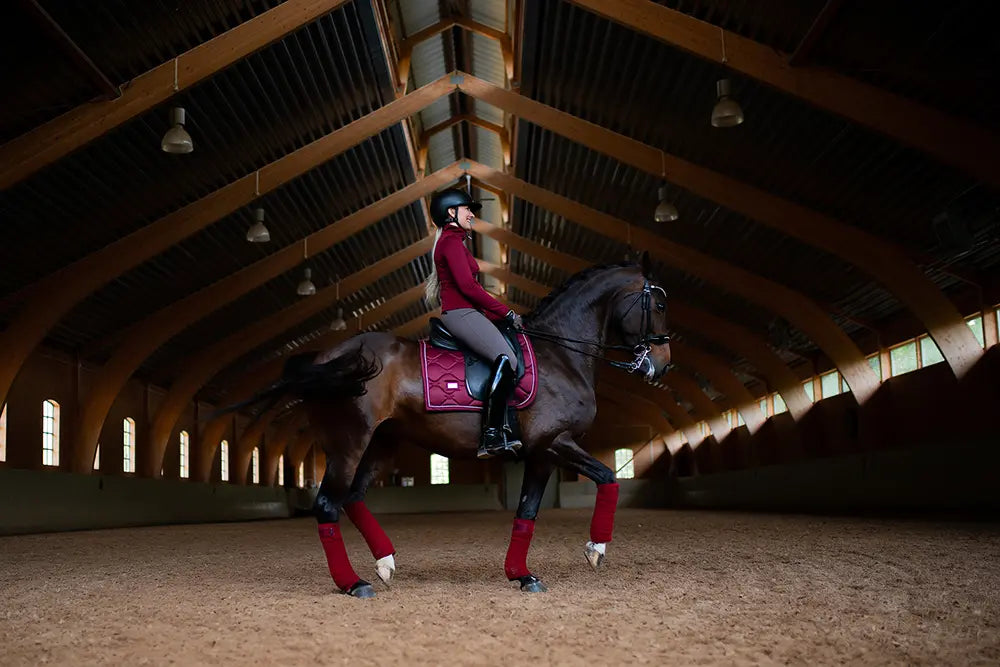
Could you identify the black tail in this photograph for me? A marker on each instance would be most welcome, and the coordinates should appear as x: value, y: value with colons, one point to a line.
x: 340, y: 378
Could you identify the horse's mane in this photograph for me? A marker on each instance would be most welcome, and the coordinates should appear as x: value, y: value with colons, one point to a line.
x: 578, y: 277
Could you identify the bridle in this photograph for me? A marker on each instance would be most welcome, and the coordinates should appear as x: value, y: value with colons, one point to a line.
x: 645, y: 340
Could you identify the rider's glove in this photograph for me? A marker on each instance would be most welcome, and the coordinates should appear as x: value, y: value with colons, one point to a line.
x: 514, y: 319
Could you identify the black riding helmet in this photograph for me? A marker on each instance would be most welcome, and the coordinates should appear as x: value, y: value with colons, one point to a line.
x: 452, y: 198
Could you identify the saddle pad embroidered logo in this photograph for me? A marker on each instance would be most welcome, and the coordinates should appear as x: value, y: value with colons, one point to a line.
x: 444, y: 379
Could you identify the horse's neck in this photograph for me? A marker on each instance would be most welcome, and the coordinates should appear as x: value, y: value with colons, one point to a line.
x: 582, y: 313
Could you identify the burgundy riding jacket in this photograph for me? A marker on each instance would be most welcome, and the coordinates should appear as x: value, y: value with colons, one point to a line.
x: 457, y: 271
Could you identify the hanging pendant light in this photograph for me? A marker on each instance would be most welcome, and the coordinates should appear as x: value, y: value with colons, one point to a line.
x: 727, y: 112
x: 258, y: 232
x: 177, y: 140
x: 338, y: 323
x: 306, y: 287
x: 665, y: 210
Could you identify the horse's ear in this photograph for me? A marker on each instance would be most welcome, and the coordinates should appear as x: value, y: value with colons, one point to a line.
x: 646, y: 264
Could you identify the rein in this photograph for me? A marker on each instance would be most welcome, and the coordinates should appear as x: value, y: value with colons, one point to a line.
x: 640, y: 349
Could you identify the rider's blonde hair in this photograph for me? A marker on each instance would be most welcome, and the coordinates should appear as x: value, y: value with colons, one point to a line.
x: 432, y: 290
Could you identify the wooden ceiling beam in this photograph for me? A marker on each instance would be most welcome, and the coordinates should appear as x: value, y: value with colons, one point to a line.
x: 145, y: 337
x: 279, y: 445
x: 705, y: 409
x: 679, y: 417
x: 751, y: 347
x: 722, y: 378
x: 23, y: 156
x: 407, y: 45
x: 793, y: 306
x: 51, y: 298
x: 952, y: 140
x: 884, y: 261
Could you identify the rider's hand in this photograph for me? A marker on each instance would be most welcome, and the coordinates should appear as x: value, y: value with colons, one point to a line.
x: 514, y: 319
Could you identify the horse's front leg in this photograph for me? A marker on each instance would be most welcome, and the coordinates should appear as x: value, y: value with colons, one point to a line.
x: 515, y: 566
x: 571, y: 456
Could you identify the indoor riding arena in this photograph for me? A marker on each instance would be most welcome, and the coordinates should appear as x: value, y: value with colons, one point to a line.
x: 749, y: 256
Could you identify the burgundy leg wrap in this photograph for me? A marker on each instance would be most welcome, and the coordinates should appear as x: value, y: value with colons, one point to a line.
x: 516, y: 563
x: 603, y: 522
x: 376, y: 538
x: 336, y: 556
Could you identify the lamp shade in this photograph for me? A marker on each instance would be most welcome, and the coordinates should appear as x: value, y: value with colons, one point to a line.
x: 665, y: 210
x: 258, y: 232
x: 306, y: 287
x: 338, y: 323
x: 727, y: 112
x: 177, y: 140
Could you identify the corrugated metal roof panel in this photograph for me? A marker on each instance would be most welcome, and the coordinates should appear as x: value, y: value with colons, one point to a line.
x: 419, y: 14
x: 487, y: 59
x: 489, y: 13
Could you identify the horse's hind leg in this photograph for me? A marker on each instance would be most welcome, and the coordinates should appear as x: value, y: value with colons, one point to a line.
x: 572, y: 457
x: 378, y: 542
x: 536, y: 475
x: 333, y: 491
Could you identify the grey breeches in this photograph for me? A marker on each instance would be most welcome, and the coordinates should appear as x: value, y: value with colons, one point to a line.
x: 478, y: 333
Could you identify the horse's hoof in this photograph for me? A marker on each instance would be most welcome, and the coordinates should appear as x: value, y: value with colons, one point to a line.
x: 385, y: 568
x: 594, y: 553
x: 532, y: 584
x: 362, y: 589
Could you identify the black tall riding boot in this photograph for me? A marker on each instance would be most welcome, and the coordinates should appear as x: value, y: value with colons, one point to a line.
x: 497, y: 436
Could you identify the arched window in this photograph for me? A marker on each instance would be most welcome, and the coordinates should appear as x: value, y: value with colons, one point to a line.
x: 281, y: 470
x: 128, y: 451
x: 224, y: 460
x: 255, y: 466
x: 50, y: 433
x: 439, y: 469
x: 624, y: 464
x: 185, y: 453
x: 3, y: 433
x: 97, y: 457
x: 302, y: 475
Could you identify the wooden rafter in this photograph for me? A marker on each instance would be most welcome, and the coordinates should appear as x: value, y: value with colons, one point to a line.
x: 405, y: 47
x: 52, y: 297
x: 722, y: 379
x: 143, y: 338
x: 951, y: 140
x: 882, y: 260
x: 44, y: 145
x: 793, y: 306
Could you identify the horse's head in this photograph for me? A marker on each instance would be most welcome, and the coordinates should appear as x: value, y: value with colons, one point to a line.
x: 641, y: 312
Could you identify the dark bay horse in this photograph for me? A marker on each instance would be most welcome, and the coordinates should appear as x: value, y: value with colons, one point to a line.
x: 366, y: 396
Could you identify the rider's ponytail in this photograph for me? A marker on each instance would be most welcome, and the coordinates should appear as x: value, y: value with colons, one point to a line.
x: 432, y: 291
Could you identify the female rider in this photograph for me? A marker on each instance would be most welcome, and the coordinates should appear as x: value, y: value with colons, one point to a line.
x: 469, y: 313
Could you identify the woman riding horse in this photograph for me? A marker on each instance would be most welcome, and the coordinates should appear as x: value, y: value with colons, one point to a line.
x: 470, y: 313
x: 365, y: 396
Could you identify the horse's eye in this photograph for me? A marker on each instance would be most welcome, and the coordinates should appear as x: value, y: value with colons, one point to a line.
x: 660, y: 306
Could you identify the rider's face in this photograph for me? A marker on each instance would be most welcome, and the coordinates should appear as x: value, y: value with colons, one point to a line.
x: 464, y: 215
